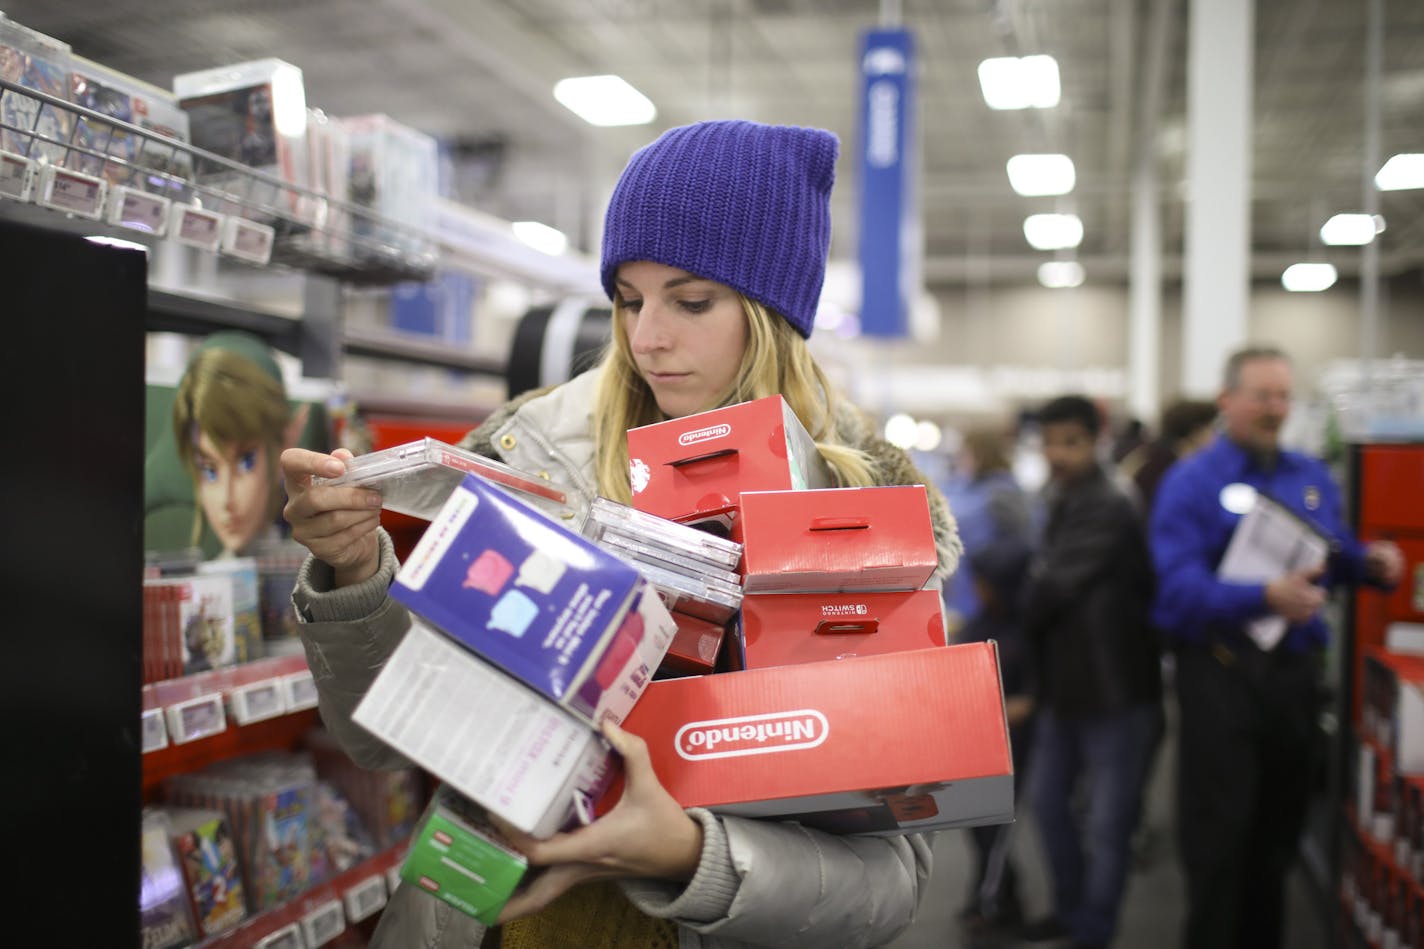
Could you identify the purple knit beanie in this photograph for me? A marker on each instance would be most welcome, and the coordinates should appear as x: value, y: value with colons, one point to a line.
x: 741, y: 203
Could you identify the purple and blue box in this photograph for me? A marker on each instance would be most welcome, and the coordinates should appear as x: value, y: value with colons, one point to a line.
x: 575, y: 623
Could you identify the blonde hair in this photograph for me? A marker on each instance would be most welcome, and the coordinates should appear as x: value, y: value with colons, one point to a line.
x: 777, y: 361
x: 234, y: 401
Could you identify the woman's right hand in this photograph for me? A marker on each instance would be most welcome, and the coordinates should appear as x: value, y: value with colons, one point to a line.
x: 336, y: 523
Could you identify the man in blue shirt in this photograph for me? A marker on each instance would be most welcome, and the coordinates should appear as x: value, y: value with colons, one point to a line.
x: 1249, y: 739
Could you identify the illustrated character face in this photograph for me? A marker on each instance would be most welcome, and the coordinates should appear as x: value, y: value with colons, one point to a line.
x: 234, y: 490
x: 687, y: 335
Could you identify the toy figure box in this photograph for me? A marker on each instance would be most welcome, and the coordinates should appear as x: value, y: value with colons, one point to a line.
x: 545, y: 605
x: 837, y: 539
x: 394, y: 174
x: 694, y: 468
x: 31, y: 60
x: 101, y: 89
x: 788, y: 628
x: 460, y: 858
x: 417, y: 478
x: 489, y: 737
x: 889, y: 744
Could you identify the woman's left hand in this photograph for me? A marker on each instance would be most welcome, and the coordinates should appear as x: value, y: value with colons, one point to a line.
x: 646, y: 835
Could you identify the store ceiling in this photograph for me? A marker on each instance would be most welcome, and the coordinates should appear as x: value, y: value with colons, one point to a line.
x: 480, y: 73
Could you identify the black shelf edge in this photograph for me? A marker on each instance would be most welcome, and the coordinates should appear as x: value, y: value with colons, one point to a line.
x: 197, y: 316
x: 391, y: 346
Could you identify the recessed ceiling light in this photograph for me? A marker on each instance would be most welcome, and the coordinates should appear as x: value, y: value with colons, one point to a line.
x: 1053, y: 231
x: 1354, y: 229
x: 1401, y: 173
x: 605, y: 100
x: 1037, y: 175
x: 1308, y: 278
x: 1020, y: 82
x: 1060, y: 274
x: 541, y: 236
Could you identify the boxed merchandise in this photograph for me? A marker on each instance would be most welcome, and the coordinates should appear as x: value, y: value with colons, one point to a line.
x: 888, y: 744
x: 208, y: 856
x: 278, y: 563
x: 97, y: 87
x: 205, y: 632
x: 394, y: 174
x: 246, y: 605
x: 489, y: 737
x: 460, y: 858
x: 164, y: 916
x: 253, y: 113
x: 787, y: 628
x: 417, y: 478
x: 837, y: 539
x: 553, y: 610
x: 1394, y: 701
x: 387, y: 802
x: 168, y: 167
x: 42, y: 63
x: 695, y: 647
x: 694, y: 468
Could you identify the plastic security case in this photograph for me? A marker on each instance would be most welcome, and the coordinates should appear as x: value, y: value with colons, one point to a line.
x: 417, y: 478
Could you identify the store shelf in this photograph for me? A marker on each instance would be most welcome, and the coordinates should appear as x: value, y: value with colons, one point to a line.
x: 195, y: 315
x: 395, y: 346
x: 350, y: 896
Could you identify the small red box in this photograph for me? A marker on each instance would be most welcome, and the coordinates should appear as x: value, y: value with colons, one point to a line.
x: 694, y: 468
x: 837, y: 539
x: 890, y: 744
x: 782, y: 629
x: 694, y: 646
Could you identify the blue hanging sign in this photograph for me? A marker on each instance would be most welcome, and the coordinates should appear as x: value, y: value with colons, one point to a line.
x: 887, y: 216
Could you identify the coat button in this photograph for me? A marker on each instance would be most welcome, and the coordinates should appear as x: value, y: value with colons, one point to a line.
x: 544, y: 475
x: 567, y: 515
x: 507, y: 441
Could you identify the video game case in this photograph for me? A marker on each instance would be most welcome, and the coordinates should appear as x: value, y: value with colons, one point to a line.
x: 680, y: 593
x: 715, y: 551
x: 34, y: 61
x: 660, y: 556
x: 97, y: 87
x: 164, y: 914
x: 388, y: 802
x: 246, y: 604
x: 208, y: 855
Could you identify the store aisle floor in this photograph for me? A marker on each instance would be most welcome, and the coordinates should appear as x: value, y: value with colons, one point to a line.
x: 1155, y: 901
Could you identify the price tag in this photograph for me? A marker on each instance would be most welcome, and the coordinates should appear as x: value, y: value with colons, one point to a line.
x: 195, y: 227
x: 196, y: 718
x: 288, y: 937
x: 365, y: 898
x: 300, y: 691
x: 259, y: 701
x: 72, y: 192
x: 153, y: 734
x: 324, y: 924
x: 17, y: 175
x: 138, y: 210
x: 248, y: 240
x: 393, y: 878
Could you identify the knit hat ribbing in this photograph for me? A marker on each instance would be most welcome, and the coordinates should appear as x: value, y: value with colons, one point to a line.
x: 741, y: 203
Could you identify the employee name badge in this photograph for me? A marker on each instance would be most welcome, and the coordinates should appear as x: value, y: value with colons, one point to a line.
x: 247, y: 240
x: 138, y: 210
x: 72, y: 192
x: 17, y: 175
x: 195, y: 227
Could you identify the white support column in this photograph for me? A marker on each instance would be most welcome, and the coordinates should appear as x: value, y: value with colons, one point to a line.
x: 1220, y: 54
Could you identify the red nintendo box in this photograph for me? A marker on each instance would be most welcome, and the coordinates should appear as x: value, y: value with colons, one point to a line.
x: 889, y: 744
x: 781, y: 629
x: 693, y: 468
x: 837, y: 539
x: 694, y: 646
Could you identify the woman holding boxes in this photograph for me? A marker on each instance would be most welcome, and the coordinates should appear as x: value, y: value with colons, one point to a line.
x: 714, y: 254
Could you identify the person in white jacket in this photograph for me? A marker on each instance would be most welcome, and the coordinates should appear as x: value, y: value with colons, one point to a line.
x: 714, y: 254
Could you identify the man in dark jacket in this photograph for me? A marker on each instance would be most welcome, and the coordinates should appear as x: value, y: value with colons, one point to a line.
x: 1098, y: 678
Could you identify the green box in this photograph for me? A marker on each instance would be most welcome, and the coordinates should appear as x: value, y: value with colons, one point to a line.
x: 459, y: 858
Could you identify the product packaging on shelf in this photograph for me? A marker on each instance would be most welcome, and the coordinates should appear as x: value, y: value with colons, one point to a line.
x: 205, y: 630
x: 694, y: 468
x: 278, y: 563
x: 101, y: 89
x: 788, y: 628
x: 34, y: 61
x: 253, y: 113
x: 165, y: 919
x: 887, y: 744
x: 329, y: 171
x: 459, y: 857
x: 418, y: 477
x: 555, y: 611
x: 208, y: 856
x: 246, y: 604
x: 388, y: 802
x: 394, y: 173
x: 488, y: 736
x: 837, y: 539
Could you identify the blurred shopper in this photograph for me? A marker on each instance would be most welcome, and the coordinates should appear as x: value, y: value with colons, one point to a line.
x: 1250, y: 739
x: 712, y: 305
x: 1098, y: 678
x: 998, y: 567
x: 1186, y: 427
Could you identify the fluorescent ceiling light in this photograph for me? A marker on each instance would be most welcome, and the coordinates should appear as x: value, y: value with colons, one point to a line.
x: 1308, y: 278
x: 118, y: 242
x: 542, y: 237
x: 1353, y: 229
x: 605, y: 100
x: 1053, y: 231
x: 1401, y: 172
x: 1060, y: 274
x: 1027, y: 82
x: 1037, y: 175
